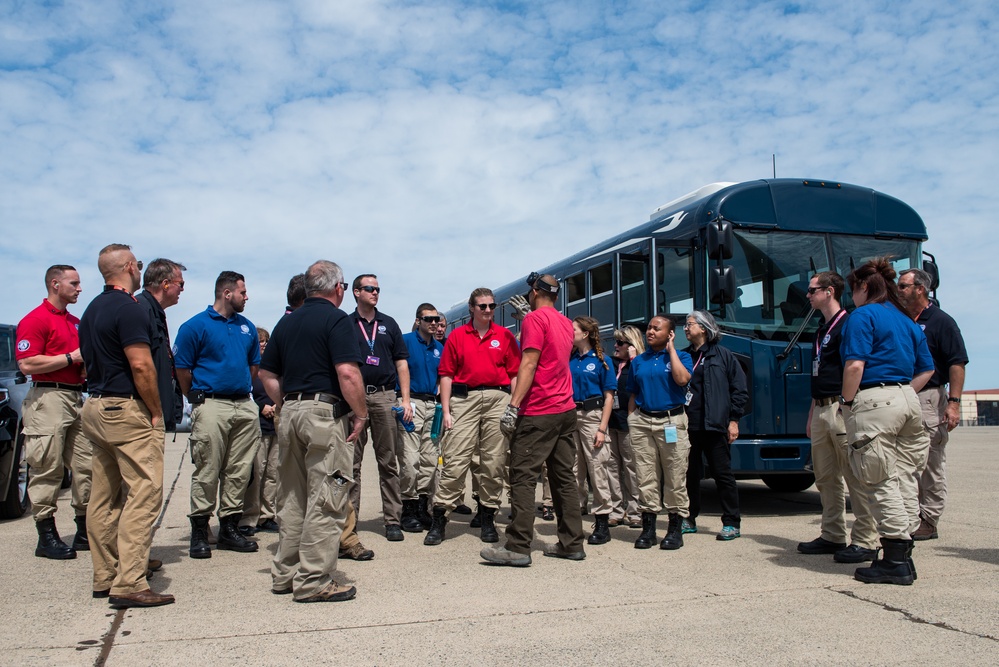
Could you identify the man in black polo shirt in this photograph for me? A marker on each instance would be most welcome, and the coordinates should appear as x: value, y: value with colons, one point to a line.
x: 940, y: 398
x: 162, y: 284
x: 123, y: 419
x: 310, y: 370
x: 825, y: 426
x: 384, y: 365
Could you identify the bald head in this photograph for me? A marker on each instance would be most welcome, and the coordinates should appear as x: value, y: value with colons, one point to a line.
x: 119, y: 267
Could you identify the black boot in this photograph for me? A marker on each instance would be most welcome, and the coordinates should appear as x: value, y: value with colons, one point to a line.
x: 476, y: 521
x: 488, y: 533
x: 674, y: 534
x: 648, y: 536
x: 423, y: 511
x: 409, y: 522
x: 49, y: 543
x: 230, y: 539
x: 80, y: 541
x: 436, y: 533
x: 601, y: 532
x: 908, y: 559
x: 892, y: 569
x: 199, y: 537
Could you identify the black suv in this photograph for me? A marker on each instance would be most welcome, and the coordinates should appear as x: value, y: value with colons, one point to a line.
x: 13, y: 467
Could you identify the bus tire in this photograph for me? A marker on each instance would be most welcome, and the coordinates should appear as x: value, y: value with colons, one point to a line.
x: 788, y: 483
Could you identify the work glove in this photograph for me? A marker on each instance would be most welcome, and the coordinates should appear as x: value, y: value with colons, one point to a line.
x: 520, y: 306
x: 508, y: 422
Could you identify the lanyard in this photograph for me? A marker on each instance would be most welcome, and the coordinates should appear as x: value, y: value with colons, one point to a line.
x: 820, y: 341
x: 374, y: 333
x: 696, y: 364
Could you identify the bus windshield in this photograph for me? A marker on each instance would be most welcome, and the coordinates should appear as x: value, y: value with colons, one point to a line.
x: 773, y: 269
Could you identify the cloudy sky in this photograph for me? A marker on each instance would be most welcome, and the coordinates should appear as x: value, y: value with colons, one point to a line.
x: 446, y: 145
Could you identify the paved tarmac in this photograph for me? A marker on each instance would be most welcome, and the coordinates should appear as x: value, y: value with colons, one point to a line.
x: 750, y: 601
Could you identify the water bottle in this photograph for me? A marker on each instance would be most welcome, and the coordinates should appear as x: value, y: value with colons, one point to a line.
x: 438, y: 424
x: 406, y: 423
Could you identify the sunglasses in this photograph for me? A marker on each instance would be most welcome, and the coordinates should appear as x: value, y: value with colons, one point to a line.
x: 620, y: 342
x: 179, y: 283
x: 370, y: 289
x: 486, y: 306
x: 813, y: 290
x: 431, y: 318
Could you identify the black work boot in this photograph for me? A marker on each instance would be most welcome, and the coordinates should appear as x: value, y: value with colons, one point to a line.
x: 230, y: 539
x: 436, y: 533
x: 50, y: 545
x: 199, y: 537
x: 601, y: 532
x: 80, y: 541
x: 423, y: 511
x: 488, y: 532
x: 409, y: 522
x: 476, y: 521
x: 648, y: 537
x: 908, y: 559
x: 674, y: 534
x: 892, y: 569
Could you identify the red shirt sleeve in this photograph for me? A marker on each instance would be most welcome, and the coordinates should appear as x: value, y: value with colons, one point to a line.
x: 32, y: 336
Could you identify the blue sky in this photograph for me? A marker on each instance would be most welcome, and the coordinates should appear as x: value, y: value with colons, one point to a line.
x: 449, y: 145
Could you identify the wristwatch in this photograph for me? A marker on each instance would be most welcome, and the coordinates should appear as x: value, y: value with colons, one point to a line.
x: 843, y: 401
x: 953, y: 399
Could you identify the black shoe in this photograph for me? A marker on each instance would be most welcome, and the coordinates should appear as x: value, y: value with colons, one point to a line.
x: 648, y: 536
x: 50, y: 545
x: 80, y: 541
x: 423, y: 511
x: 819, y: 546
x: 199, y: 538
x: 488, y: 532
x: 476, y: 521
x: 547, y: 513
x: 854, y: 554
x: 436, y: 533
x: 894, y: 568
x: 674, y: 534
x: 463, y: 509
x: 247, y: 531
x: 231, y: 539
x: 410, y: 523
x: 601, y: 531
x: 268, y: 526
x: 393, y: 533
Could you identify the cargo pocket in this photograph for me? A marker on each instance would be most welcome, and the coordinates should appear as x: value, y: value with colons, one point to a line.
x: 334, y: 496
x: 869, y: 461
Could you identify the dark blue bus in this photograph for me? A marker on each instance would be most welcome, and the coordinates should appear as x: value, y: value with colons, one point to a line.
x: 744, y: 251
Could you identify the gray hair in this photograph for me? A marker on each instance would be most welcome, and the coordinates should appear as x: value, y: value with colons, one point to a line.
x: 707, y: 322
x: 322, y: 278
x: 919, y: 277
x: 158, y: 270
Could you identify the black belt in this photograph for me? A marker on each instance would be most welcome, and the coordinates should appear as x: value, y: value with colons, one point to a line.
x: 828, y: 400
x: 58, y: 385
x: 592, y: 403
x: 659, y: 414
x: 875, y: 385
x: 483, y: 387
x: 373, y: 389
x: 424, y: 397
x: 114, y: 395
x: 229, y: 397
x: 340, y: 406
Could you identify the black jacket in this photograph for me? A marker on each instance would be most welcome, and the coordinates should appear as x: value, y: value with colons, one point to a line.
x: 725, y: 394
x: 170, y: 396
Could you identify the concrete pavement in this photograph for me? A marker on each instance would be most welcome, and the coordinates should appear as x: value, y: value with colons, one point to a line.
x: 753, y: 600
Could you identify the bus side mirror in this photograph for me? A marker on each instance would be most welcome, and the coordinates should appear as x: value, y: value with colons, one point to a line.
x: 931, y: 268
x: 721, y: 284
x: 720, y: 239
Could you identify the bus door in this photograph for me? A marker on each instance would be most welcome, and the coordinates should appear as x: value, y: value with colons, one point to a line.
x: 675, y: 280
x: 635, y: 290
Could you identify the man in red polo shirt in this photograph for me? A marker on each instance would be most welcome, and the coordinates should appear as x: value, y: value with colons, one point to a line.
x: 48, y: 349
x: 477, y: 371
x: 541, y: 420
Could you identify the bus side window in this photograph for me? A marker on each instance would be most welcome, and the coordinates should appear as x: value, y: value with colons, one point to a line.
x: 635, y: 291
x: 602, y: 294
x: 676, y: 280
x: 575, y: 296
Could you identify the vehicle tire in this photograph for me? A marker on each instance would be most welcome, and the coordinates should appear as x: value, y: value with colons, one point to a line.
x: 788, y: 483
x: 16, y: 502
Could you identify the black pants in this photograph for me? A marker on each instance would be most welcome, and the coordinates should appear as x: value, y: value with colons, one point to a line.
x: 715, y: 447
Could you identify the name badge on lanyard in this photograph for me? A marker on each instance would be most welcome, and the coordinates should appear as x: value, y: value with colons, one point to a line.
x: 821, y: 344
x: 669, y: 430
x: 372, y: 360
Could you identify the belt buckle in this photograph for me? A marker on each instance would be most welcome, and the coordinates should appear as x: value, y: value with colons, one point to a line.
x: 371, y: 389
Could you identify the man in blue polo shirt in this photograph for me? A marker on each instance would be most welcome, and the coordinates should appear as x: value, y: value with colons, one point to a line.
x: 416, y: 452
x: 217, y: 353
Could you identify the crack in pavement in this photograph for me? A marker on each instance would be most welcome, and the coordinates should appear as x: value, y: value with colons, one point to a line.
x: 909, y: 616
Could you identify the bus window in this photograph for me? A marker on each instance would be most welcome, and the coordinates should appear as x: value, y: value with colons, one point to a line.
x: 602, y: 295
x: 633, y: 276
x: 850, y: 252
x: 575, y: 296
x: 676, y: 280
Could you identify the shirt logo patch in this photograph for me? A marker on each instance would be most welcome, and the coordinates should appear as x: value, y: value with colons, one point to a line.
x: 494, y: 343
x: 23, y: 345
x: 590, y: 366
x: 382, y: 329
x: 437, y: 353
x: 245, y: 329
x: 825, y: 341
x: 923, y: 327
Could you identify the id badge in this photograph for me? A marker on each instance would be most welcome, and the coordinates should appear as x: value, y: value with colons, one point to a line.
x: 371, y: 360
x: 669, y: 430
x: 688, y: 398
x: 617, y: 402
x: 815, y: 367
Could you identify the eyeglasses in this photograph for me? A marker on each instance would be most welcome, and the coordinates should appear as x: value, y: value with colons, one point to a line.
x: 179, y: 283
x: 813, y: 290
x: 906, y: 285
x: 344, y: 286
x: 431, y: 318
x: 370, y: 289
x: 687, y: 325
x: 486, y: 306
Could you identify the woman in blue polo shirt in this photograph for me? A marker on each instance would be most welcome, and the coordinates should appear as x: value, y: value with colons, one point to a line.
x: 886, y: 362
x: 593, y: 385
x: 658, y: 428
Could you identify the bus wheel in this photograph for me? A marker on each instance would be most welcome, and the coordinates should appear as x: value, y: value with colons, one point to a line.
x: 788, y: 483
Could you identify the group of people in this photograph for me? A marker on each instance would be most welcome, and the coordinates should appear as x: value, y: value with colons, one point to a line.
x: 281, y: 421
